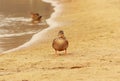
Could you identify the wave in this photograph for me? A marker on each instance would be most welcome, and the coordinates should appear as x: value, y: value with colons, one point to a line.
x: 16, y: 23
x: 51, y: 22
x: 10, y: 21
x: 17, y: 34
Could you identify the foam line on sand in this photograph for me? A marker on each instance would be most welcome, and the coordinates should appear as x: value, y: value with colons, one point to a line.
x: 51, y: 22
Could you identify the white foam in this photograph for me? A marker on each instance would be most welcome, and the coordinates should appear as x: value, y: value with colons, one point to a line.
x: 10, y: 21
x: 51, y: 22
x: 18, y: 19
x: 17, y: 34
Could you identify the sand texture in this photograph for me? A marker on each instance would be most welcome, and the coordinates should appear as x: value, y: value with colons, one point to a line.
x: 92, y: 28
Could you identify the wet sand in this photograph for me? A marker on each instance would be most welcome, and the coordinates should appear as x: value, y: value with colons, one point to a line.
x: 92, y: 28
x: 16, y: 28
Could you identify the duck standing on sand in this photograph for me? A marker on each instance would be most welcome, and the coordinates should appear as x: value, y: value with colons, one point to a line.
x: 60, y: 43
x: 36, y: 18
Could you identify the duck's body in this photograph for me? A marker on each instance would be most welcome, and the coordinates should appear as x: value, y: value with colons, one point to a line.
x: 60, y: 43
x: 36, y: 18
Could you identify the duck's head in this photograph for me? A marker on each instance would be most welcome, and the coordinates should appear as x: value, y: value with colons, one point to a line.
x: 61, y: 33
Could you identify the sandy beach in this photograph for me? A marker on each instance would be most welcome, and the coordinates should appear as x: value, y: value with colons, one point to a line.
x: 93, y: 30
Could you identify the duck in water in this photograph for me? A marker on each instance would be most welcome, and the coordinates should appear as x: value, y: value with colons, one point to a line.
x: 60, y: 43
x: 36, y: 18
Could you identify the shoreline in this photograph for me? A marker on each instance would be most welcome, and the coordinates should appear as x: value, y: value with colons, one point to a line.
x: 39, y: 36
x: 93, y: 52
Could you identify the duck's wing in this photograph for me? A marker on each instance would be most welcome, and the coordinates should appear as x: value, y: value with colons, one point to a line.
x: 53, y: 43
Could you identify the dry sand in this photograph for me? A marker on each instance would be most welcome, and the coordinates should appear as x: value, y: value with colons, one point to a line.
x: 93, y: 30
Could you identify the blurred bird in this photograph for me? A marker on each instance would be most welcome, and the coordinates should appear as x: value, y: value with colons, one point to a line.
x: 60, y: 43
x: 36, y: 18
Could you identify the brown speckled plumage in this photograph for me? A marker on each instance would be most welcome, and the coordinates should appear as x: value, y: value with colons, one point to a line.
x: 60, y: 43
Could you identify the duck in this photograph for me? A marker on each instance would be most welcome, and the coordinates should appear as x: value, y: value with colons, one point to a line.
x: 36, y: 18
x: 60, y: 43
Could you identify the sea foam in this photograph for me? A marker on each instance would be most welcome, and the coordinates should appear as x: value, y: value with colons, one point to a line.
x: 51, y: 22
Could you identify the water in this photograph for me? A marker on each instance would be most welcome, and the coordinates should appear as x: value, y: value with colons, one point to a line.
x: 15, y: 26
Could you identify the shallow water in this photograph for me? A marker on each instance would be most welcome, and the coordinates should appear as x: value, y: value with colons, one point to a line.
x: 15, y: 26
